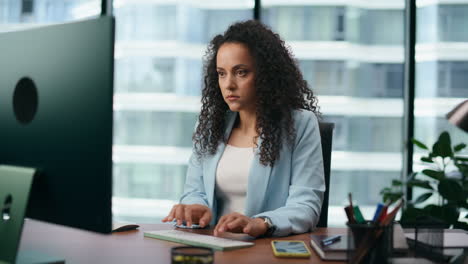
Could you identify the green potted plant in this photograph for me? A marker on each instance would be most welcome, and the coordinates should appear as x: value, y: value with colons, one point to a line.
x: 445, y: 178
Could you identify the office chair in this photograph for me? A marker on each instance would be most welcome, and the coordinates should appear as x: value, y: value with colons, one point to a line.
x: 326, y: 133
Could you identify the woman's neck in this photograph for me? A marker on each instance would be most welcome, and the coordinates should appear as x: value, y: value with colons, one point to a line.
x: 247, y: 123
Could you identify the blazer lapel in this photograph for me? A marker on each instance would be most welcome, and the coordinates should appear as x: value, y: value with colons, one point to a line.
x: 212, y: 162
x: 259, y: 177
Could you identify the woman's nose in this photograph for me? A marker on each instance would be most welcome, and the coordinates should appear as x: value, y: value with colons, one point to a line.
x: 230, y: 83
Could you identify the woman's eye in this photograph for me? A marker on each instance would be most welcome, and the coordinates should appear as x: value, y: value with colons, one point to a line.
x: 241, y: 72
x: 221, y: 74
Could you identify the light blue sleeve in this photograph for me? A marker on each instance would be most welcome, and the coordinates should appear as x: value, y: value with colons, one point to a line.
x: 194, y: 189
x: 307, y: 184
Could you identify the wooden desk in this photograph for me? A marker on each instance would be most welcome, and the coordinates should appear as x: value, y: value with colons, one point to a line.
x: 77, y: 246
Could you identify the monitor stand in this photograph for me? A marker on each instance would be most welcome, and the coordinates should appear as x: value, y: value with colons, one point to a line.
x: 15, y: 186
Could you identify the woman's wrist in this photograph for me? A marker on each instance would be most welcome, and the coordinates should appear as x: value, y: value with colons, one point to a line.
x: 262, y: 225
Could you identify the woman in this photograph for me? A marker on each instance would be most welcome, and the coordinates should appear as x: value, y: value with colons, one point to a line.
x: 256, y: 166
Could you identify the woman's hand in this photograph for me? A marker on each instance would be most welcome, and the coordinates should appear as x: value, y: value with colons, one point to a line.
x: 239, y: 223
x: 190, y: 213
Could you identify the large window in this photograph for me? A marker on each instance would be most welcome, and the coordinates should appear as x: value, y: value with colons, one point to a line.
x: 19, y: 14
x: 442, y: 67
x: 441, y: 71
x: 352, y: 57
x: 158, y: 80
x: 326, y: 77
x: 314, y: 23
x: 442, y: 22
x: 381, y: 25
x: 158, y: 77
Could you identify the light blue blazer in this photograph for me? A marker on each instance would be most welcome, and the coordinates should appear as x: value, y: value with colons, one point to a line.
x: 290, y: 193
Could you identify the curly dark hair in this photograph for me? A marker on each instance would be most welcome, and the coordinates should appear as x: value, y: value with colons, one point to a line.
x: 280, y: 89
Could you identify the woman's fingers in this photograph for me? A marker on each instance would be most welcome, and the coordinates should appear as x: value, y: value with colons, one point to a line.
x: 194, y: 213
x: 256, y: 227
x: 237, y: 224
x: 217, y: 229
x: 201, y: 214
x: 179, y: 214
x: 229, y: 219
x: 248, y: 228
x: 170, y: 216
x: 232, y: 222
x: 205, y: 219
x: 188, y: 215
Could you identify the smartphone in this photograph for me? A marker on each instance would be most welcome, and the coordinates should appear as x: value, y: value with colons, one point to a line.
x: 290, y: 249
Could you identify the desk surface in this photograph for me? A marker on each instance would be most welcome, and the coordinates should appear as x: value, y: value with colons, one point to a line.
x: 77, y: 246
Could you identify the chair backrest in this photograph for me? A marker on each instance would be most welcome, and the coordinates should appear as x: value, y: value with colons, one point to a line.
x: 326, y: 133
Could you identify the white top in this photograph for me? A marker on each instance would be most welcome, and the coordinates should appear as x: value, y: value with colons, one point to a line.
x: 231, y: 178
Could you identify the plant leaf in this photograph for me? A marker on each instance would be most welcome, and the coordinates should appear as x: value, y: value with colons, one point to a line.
x: 461, y: 158
x: 451, y: 190
x: 385, y: 190
x: 463, y: 204
x: 443, y: 147
x: 427, y: 159
x: 437, y: 175
x: 396, y: 183
x: 420, y: 184
x: 448, y: 213
x: 423, y: 197
x: 459, y: 147
x: 409, y: 215
x: 419, y: 144
x: 460, y: 225
x: 392, y: 196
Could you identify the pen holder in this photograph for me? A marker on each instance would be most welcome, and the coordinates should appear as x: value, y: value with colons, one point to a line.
x: 191, y: 255
x: 368, y: 243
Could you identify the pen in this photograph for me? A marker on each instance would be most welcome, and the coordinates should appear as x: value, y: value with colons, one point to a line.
x: 383, y: 212
x: 350, y: 215
x: 358, y: 215
x: 391, y: 215
x: 330, y: 240
x: 378, y: 212
x: 350, y: 197
x: 350, y: 211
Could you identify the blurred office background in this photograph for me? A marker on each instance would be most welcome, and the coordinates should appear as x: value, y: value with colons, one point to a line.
x: 350, y: 51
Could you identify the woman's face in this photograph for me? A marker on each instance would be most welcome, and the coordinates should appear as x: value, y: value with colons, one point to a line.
x: 236, y: 76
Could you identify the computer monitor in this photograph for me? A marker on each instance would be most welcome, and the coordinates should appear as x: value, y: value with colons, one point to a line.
x: 56, y: 94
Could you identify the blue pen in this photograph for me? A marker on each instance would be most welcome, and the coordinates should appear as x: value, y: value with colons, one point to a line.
x: 377, y: 211
x: 330, y: 240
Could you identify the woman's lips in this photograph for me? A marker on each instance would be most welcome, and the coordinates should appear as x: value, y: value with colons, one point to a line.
x: 232, y: 98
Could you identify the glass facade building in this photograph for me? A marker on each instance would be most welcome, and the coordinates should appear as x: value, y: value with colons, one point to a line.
x: 442, y: 67
x: 351, y: 52
x: 441, y: 72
